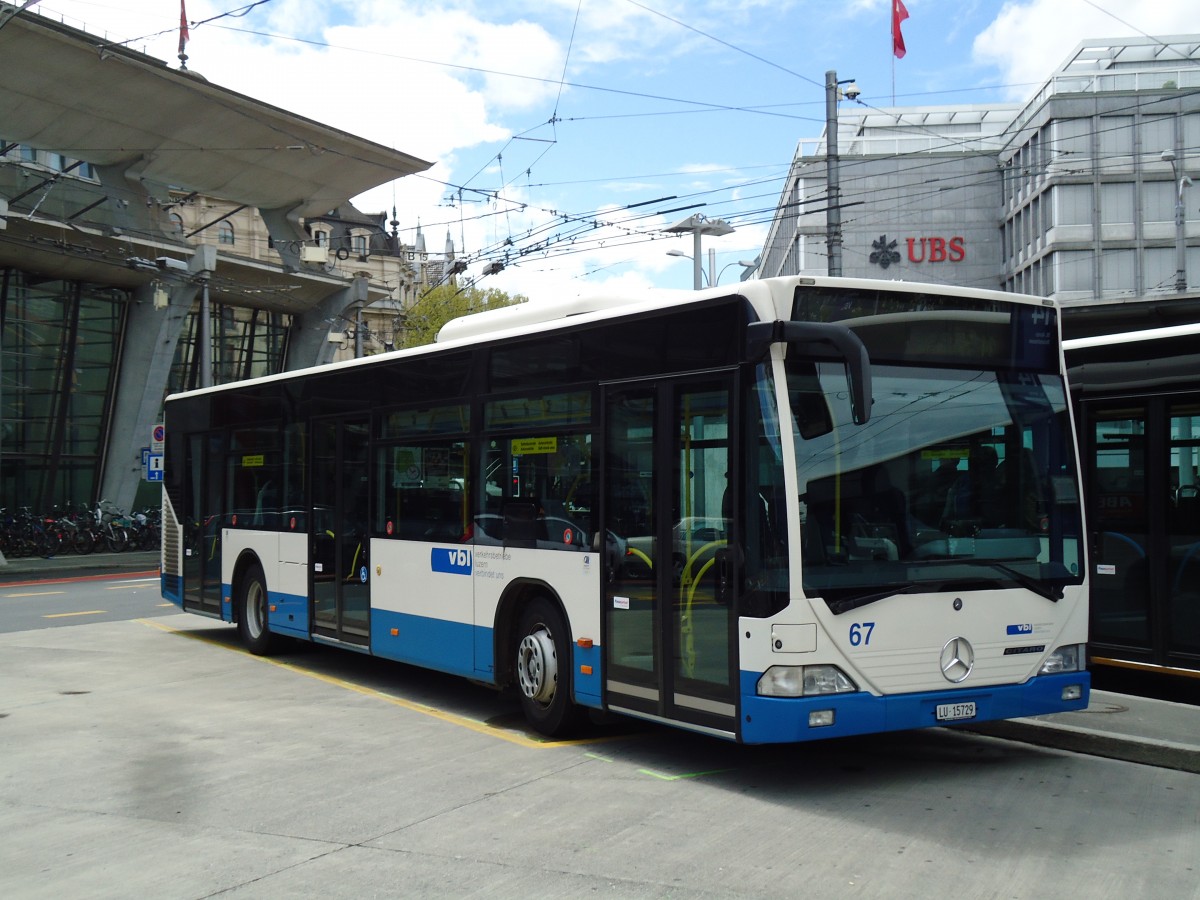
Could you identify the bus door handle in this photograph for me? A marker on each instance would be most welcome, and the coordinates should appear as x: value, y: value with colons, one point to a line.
x: 726, y: 572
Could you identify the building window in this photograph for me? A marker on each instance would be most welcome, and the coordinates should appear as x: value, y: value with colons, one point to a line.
x: 1073, y: 270
x: 321, y: 238
x: 245, y: 343
x: 225, y: 234
x: 1071, y: 139
x: 1118, y: 268
x: 1158, y: 201
x: 1116, y: 204
x: 1158, y: 134
x: 176, y: 223
x: 360, y: 245
x: 1073, y: 204
x: 1116, y: 140
x: 55, y: 427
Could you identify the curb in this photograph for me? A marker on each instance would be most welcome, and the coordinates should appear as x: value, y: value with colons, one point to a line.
x: 1164, y: 754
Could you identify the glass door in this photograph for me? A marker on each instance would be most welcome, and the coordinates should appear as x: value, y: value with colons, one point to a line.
x: 1144, y: 489
x: 669, y: 594
x: 202, y: 530
x: 1120, y: 523
x: 339, y: 537
x: 1181, y: 620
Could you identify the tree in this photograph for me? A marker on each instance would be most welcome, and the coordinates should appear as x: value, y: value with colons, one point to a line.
x: 438, y: 306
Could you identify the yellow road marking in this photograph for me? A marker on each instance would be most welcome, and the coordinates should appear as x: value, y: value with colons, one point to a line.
x: 34, y: 594
x: 421, y: 708
x: 88, y: 612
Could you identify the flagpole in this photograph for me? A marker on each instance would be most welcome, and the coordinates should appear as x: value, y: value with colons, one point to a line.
x: 899, y: 14
x: 183, y: 36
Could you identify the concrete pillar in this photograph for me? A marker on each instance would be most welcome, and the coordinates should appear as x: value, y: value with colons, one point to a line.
x: 151, y: 337
x: 309, y: 344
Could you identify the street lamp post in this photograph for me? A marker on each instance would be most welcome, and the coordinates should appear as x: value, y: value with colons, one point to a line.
x: 1179, y: 183
x: 713, y: 276
x: 833, y: 216
x: 698, y: 225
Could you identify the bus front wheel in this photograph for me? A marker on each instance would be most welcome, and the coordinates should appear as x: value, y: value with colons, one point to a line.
x: 252, y: 612
x: 543, y: 659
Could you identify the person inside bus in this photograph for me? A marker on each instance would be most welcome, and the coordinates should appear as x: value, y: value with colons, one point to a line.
x: 1021, y: 490
x: 976, y: 496
x: 884, y: 509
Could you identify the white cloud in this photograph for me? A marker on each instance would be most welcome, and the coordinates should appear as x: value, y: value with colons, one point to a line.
x: 1027, y: 41
x: 426, y: 78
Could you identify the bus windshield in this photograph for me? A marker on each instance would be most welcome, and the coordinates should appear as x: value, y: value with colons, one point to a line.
x: 964, y: 479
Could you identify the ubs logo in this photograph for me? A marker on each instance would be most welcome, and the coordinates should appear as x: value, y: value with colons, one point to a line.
x: 450, y: 561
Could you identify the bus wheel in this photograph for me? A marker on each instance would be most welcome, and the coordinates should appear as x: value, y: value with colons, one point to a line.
x: 252, y: 612
x: 542, y: 654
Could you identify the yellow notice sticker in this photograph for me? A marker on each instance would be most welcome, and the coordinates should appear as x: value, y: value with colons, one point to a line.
x: 532, y: 446
x: 946, y: 453
x: 252, y: 462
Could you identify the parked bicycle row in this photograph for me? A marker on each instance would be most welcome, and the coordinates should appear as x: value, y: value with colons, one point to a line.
x: 78, y: 529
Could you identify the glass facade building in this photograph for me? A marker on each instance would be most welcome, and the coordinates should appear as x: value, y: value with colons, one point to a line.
x: 1071, y: 195
x: 61, y: 342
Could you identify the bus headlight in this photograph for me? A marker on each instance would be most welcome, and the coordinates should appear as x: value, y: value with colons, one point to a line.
x: 804, y: 681
x: 1069, y: 658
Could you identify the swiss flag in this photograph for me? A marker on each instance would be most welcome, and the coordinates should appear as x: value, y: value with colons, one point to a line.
x: 183, y: 26
x: 899, y: 14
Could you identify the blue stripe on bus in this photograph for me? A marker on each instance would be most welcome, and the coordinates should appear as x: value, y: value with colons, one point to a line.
x: 587, y: 687
x: 290, y: 614
x: 424, y: 641
x: 466, y: 650
x: 172, y: 588
x: 451, y: 647
x: 785, y: 719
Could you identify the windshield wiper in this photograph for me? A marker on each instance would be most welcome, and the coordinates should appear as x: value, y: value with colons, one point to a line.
x: 845, y: 604
x: 1052, y: 592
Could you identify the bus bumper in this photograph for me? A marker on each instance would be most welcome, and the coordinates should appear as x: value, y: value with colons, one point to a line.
x: 767, y: 720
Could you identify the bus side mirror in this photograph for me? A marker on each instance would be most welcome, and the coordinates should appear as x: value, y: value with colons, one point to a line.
x: 820, y: 340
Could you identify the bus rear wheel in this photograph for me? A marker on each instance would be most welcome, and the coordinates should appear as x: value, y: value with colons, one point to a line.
x: 543, y: 653
x: 252, y: 612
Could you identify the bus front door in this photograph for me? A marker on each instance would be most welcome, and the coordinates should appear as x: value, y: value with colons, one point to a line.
x: 339, y: 538
x: 202, y: 530
x: 669, y: 604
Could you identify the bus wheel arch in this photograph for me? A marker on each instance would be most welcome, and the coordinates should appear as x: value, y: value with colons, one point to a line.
x: 534, y: 652
x: 250, y: 605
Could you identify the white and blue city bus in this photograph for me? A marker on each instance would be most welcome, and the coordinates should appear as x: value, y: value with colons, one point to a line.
x: 794, y: 509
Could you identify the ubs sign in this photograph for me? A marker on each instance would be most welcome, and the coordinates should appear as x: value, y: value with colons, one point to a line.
x: 919, y: 250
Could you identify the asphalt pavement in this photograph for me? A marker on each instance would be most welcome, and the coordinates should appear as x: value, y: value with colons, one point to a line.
x: 1117, y: 726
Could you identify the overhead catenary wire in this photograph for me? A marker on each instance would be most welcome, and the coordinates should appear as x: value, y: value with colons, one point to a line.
x: 576, y: 223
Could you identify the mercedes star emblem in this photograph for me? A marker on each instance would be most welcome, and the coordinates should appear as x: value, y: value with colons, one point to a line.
x: 958, y: 659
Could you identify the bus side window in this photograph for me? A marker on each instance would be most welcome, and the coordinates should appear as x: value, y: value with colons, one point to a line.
x: 536, y: 491
x: 423, y: 492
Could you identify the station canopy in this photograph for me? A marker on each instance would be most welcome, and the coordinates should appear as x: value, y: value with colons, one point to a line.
x: 72, y: 92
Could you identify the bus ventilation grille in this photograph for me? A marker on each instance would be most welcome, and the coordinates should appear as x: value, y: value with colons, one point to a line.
x: 171, y: 564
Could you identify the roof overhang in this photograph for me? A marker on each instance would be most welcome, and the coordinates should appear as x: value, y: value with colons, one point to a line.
x: 69, y: 91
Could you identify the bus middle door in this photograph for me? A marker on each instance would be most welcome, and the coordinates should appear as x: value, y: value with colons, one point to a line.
x: 669, y: 601
x: 339, y: 541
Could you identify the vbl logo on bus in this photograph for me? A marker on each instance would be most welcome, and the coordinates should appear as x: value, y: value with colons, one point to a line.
x: 456, y: 561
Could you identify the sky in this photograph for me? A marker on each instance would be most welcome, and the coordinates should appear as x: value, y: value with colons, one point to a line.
x: 566, y: 135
